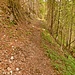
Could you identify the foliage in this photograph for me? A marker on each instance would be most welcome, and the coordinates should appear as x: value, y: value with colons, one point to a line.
x: 46, y: 36
x: 65, y: 65
x: 42, y: 8
x: 60, y: 20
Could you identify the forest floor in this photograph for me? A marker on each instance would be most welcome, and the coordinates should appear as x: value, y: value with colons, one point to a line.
x: 21, y: 51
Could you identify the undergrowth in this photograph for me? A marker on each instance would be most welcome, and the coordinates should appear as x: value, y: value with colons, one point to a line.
x: 64, y: 65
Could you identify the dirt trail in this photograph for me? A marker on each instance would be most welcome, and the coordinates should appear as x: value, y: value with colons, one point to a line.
x: 21, y: 52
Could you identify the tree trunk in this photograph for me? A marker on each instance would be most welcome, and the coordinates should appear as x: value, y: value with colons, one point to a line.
x: 16, y: 10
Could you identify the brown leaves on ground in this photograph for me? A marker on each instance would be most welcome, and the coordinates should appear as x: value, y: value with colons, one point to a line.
x: 21, y: 52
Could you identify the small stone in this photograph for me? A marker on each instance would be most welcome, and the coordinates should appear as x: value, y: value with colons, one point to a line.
x: 43, y: 29
x: 32, y: 26
x: 12, y: 58
x: 4, y: 72
x: 8, y: 68
x: 15, y: 40
x: 11, y: 72
x: 17, y: 69
x: 12, y: 46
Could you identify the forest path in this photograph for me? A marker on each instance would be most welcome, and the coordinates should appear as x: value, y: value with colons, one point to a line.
x: 21, y: 52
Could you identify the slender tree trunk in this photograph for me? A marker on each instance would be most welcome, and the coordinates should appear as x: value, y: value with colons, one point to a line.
x: 50, y: 14
x: 70, y: 30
